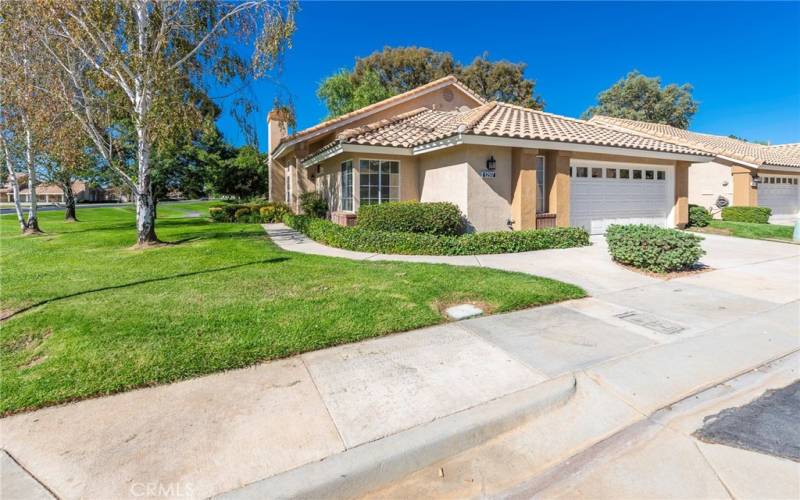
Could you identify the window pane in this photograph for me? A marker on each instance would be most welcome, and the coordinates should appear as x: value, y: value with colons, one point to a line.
x: 597, y: 173
x: 394, y: 194
x: 649, y: 175
x: 624, y: 173
x: 611, y: 173
x: 581, y: 172
x: 394, y: 179
x: 637, y: 174
x: 395, y: 167
x: 660, y: 175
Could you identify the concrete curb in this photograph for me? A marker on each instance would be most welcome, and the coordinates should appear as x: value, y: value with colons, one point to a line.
x: 369, y: 466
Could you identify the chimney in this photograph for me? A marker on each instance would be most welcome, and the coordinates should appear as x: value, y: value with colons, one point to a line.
x: 277, y: 127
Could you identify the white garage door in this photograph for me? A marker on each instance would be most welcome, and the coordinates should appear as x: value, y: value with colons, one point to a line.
x: 601, y: 195
x: 780, y: 193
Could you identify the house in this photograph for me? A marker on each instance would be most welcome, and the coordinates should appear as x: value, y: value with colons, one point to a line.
x: 52, y: 193
x: 505, y: 166
x: 742, y: 173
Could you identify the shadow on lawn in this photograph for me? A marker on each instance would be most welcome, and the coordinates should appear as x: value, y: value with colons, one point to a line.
x: 11, y: 314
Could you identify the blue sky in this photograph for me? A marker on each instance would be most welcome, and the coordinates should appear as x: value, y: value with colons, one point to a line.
x: 743, y: 59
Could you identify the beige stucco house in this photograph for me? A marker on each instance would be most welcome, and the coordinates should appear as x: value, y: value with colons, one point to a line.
x: 742, y: 173
x: 505, y: 166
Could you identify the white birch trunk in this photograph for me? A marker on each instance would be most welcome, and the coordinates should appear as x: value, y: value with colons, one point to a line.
x: 12, y: 177
x: 33, y: 210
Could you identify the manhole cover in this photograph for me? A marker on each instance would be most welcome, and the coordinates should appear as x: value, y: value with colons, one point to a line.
x: 651, y: 322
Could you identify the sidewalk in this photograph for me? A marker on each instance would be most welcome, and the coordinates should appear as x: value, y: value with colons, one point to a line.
x: 359, y: 415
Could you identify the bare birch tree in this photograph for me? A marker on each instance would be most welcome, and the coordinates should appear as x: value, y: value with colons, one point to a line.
x: 120, y: 60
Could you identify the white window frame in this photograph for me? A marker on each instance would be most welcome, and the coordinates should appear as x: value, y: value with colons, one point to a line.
x: 399, y: 179
x: 287, y: 185
x: 540, y: 190
x: 352, y: 187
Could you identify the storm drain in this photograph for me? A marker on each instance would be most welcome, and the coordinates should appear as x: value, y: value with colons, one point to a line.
x: 769, y: 424
x: 651, y: 322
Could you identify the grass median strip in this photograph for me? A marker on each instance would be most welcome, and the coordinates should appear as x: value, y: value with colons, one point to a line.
x: 749, y: 230
x: 103, y: 317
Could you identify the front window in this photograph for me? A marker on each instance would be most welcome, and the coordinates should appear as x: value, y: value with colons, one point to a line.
x: 541, y: 206
x: 379, y: 181
x: 347, y: 186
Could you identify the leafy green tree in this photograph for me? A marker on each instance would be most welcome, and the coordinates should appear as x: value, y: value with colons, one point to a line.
x: 242, y: 174
x: 501, y: 81
x: 399, y: 69
x: 638, y: 97
x: 343, y: 93
x: 140, y: 50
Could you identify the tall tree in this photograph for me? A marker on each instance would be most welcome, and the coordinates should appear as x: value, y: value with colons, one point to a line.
x: 501, y: 81
x: 399, y: 69
x: 343, y: 93
x: 25, y: 115
x: 123, y: 59
x: 639, y: 97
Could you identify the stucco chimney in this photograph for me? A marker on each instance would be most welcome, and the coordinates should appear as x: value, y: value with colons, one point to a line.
x: 277, y: 127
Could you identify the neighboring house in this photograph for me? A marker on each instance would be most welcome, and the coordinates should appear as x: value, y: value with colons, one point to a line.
x: 503, y: 165
x: 52, y: 193
x: 743, y: 173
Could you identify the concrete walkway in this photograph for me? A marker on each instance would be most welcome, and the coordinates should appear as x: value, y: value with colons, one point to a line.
x: 354, y: 417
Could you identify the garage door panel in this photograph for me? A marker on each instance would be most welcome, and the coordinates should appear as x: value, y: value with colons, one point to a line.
x: 780, y: 193
x: 596, y: 203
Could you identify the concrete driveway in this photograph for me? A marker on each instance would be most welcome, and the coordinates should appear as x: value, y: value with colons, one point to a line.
x: 355, y: 416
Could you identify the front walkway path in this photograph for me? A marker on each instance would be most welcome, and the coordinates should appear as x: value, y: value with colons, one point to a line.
x: 637, y: 345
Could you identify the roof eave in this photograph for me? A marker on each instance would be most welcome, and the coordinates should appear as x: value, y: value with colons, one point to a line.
x: 582, y: 148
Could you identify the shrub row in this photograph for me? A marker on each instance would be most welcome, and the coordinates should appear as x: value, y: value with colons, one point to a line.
x: 365, y: 240
x: 653, y: 248
x: 253, y: 213
x: 759, y: 215
x: 698, y: 216
x: 439, y: 218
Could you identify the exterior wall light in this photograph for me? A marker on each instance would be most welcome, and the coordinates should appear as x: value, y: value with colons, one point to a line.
x: 754, y: 183
x: 491, y: 163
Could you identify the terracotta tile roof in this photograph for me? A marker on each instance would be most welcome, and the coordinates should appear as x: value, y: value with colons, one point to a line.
x: 381, y: 104
x: 496, y: 119
x: 792, y: 150
x: 735, y: 149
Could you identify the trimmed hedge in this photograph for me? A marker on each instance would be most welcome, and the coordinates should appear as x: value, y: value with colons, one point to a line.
x: 440, y: 218
x: 698, y: 216
x: 365, y: 240
x: 653, y: 248
x: 759, y: 215
x: 249, y: 213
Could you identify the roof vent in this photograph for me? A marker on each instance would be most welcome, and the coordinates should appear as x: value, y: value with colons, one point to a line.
x: 447, y: 94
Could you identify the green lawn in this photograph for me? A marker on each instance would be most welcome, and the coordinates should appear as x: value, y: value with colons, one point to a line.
x: 751, y: 230
x: 104, y: 317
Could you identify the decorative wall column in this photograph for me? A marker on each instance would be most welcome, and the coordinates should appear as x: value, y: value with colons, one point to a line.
x: 681, y: 194
x: 523, y: 201
x: 558, y: 163
x: 744, y: 194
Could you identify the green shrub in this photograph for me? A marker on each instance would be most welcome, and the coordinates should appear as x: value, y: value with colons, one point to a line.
x: 218, y: 214
x: 653, y: 248
x: 314, y: 205
x: 439, y: 218
x: 759, y: 215
x: 365, y: 240
x: 252, y: 213
x: 242, y: 214
x: 273, y: 212
x: 698, y: 216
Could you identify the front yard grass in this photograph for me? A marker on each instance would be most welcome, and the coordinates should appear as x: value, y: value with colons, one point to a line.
x: 749, y: 230
x: 104, y: 317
